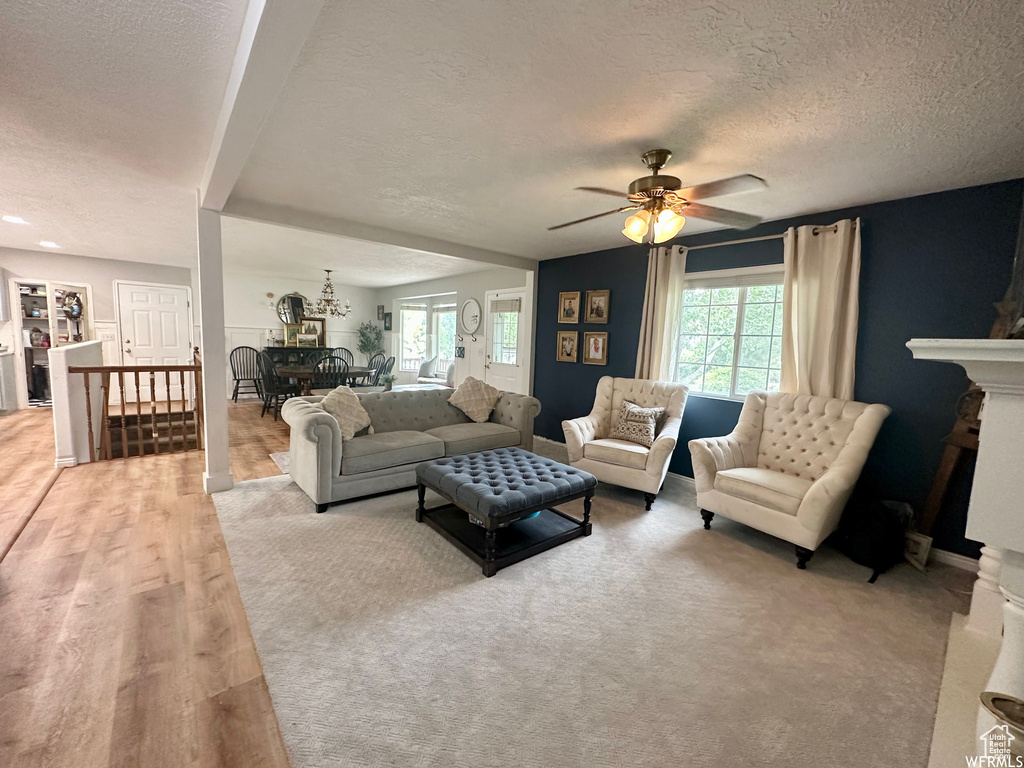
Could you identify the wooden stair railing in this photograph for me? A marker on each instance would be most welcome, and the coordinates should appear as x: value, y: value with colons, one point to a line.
x: 148, y: 428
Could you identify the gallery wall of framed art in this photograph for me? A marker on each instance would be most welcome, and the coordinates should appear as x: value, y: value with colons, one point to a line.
x: 595, y: 310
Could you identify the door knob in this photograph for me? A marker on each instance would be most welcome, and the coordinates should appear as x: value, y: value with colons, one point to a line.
x: 128, y: 351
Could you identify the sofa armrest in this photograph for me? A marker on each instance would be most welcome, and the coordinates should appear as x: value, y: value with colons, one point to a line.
x: 315, y: 447
x: 711, y: 455
x: 579, y: 432
x: 662, y: 447
x: 518, y: 411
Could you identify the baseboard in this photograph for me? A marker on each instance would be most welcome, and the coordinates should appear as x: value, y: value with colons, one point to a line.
x: 689, y: 481
x: 217, y: 483
x: 68, y: 462
x: 952, y: 558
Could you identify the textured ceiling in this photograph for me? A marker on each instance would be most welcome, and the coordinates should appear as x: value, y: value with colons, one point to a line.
x: 258, y: 248
x: 107, y: 109
x: 472, y: 121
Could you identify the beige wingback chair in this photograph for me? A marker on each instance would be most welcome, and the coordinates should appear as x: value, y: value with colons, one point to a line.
x: 789, y: 467
x: 621, y: 462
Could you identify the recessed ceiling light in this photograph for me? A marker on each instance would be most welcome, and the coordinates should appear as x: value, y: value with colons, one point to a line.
x: 48, y: 244
x: 14, y: 219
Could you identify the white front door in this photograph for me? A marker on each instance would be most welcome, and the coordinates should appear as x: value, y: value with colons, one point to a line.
x: 506, y: 342
x: 153, y: 324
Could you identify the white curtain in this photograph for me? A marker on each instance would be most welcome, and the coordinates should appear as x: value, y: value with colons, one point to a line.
x: 820, y: 308
x: 658, y: 350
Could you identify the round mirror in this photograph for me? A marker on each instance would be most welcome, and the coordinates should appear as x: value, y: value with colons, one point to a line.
x: 291, y: 307
x: 470, y: 316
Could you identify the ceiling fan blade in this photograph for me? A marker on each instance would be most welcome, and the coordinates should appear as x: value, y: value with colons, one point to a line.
x: 730, y: 186
x: 602, y: 191
x: 732, y: 219
x: 598, y: 216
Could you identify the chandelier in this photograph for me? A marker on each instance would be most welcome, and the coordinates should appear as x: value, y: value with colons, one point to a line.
x: 327, y: 305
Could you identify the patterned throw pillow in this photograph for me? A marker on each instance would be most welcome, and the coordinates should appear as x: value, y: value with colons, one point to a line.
x: 344, y: 406
x: 636, y: 424
x: 475, y: 398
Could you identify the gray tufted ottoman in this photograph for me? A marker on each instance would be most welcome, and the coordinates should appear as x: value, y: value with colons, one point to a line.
x: 496, y: 489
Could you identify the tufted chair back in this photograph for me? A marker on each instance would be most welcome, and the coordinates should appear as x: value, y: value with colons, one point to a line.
x: 800, y: 435
x: 646, y: 393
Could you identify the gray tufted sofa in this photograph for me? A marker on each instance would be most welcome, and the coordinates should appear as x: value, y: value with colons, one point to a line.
x: 406, y: 428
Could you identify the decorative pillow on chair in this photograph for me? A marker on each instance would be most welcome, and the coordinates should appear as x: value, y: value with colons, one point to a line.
x: 475, y: 398
x: 637, y: 425
x: 344, y: 406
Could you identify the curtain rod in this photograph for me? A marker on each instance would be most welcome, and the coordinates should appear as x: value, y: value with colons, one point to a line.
x: 816, y: 230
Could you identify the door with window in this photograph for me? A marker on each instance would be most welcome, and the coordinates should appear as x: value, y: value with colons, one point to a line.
x: 505, y: 340
x: 154, y: 323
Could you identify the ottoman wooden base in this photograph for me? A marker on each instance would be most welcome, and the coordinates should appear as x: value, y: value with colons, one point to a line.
x: 509, y: 545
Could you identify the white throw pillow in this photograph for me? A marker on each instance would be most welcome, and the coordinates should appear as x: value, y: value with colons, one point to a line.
x: 636, y: 424
x: 475, y: 398
x: 344, y: 405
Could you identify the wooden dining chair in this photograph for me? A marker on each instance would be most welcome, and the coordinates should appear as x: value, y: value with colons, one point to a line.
x: 329, y: 373
x: 245, y: 371
x: 374, y: 364
x: 274, y: 389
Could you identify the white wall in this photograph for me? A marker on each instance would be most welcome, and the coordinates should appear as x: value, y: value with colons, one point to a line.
x: 472, y: 285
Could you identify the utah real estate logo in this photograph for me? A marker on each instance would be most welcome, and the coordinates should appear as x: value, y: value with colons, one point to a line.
x: 996, y: 750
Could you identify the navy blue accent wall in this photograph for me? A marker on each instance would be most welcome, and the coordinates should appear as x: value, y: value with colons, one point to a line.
x: 931, y: 266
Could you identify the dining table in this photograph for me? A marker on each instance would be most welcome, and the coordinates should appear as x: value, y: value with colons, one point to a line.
x: 303, y: 374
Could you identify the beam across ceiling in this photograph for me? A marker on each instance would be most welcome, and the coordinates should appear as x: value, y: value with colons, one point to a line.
x: 272, y: 37
x: 313, y: 222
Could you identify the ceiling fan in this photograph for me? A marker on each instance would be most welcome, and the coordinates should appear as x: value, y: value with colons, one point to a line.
x: 661, y: 200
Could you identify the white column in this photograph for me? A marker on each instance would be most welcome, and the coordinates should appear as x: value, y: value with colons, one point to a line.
x: 217, y: 476
x: 1008, y: 674
x: 987, y: 600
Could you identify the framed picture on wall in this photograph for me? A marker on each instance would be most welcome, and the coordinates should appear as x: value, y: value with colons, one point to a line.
x: 595, y: 348
x: 569, y: 307
x: 307, y: 340
x: 598, y: 305
x: 317, y: 325
x: 387, y: 321
x: 567, y: 351
x: 291, y: 331
x: 380, y: 311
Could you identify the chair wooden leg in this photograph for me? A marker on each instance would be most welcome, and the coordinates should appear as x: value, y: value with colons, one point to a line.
x: 802, y: 556
x: 321, y: 508
x: 707, y: 518
x: 648, y: 500
x: 234, y: 395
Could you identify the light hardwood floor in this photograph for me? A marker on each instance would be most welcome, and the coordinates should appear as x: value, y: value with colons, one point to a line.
x: 26, y: 468
x: 123, y: 640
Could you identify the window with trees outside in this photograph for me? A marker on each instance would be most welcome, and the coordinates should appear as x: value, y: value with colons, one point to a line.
x: 445, y: 331
x: 730, y: 336
x: 413, y: 330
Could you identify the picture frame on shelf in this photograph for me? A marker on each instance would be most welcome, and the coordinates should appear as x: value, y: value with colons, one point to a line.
x: 567, y: 350
x: 387, y: 321
x: 595, y: 348
x: 307, y: 340
x: 317, y: 325
x: 291, y: 331
x: 598, y: 306
x: 569, y: 307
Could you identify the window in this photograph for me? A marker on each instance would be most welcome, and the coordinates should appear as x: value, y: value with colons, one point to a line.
x: 730, y: 335
x: 413, y: 328
x: 506, y: 337
x: 444, y: 332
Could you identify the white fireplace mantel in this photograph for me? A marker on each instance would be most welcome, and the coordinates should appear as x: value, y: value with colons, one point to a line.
x: 996, y: 513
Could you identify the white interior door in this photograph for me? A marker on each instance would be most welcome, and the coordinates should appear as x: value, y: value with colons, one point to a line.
x: 153, y: 327
x: 505, y: 339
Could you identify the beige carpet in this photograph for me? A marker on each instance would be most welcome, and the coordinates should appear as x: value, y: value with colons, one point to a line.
x: 650, y: 643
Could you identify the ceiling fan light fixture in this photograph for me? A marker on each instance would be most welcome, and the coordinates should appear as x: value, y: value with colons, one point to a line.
x: 637, y: 225
x: 667, y: 225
